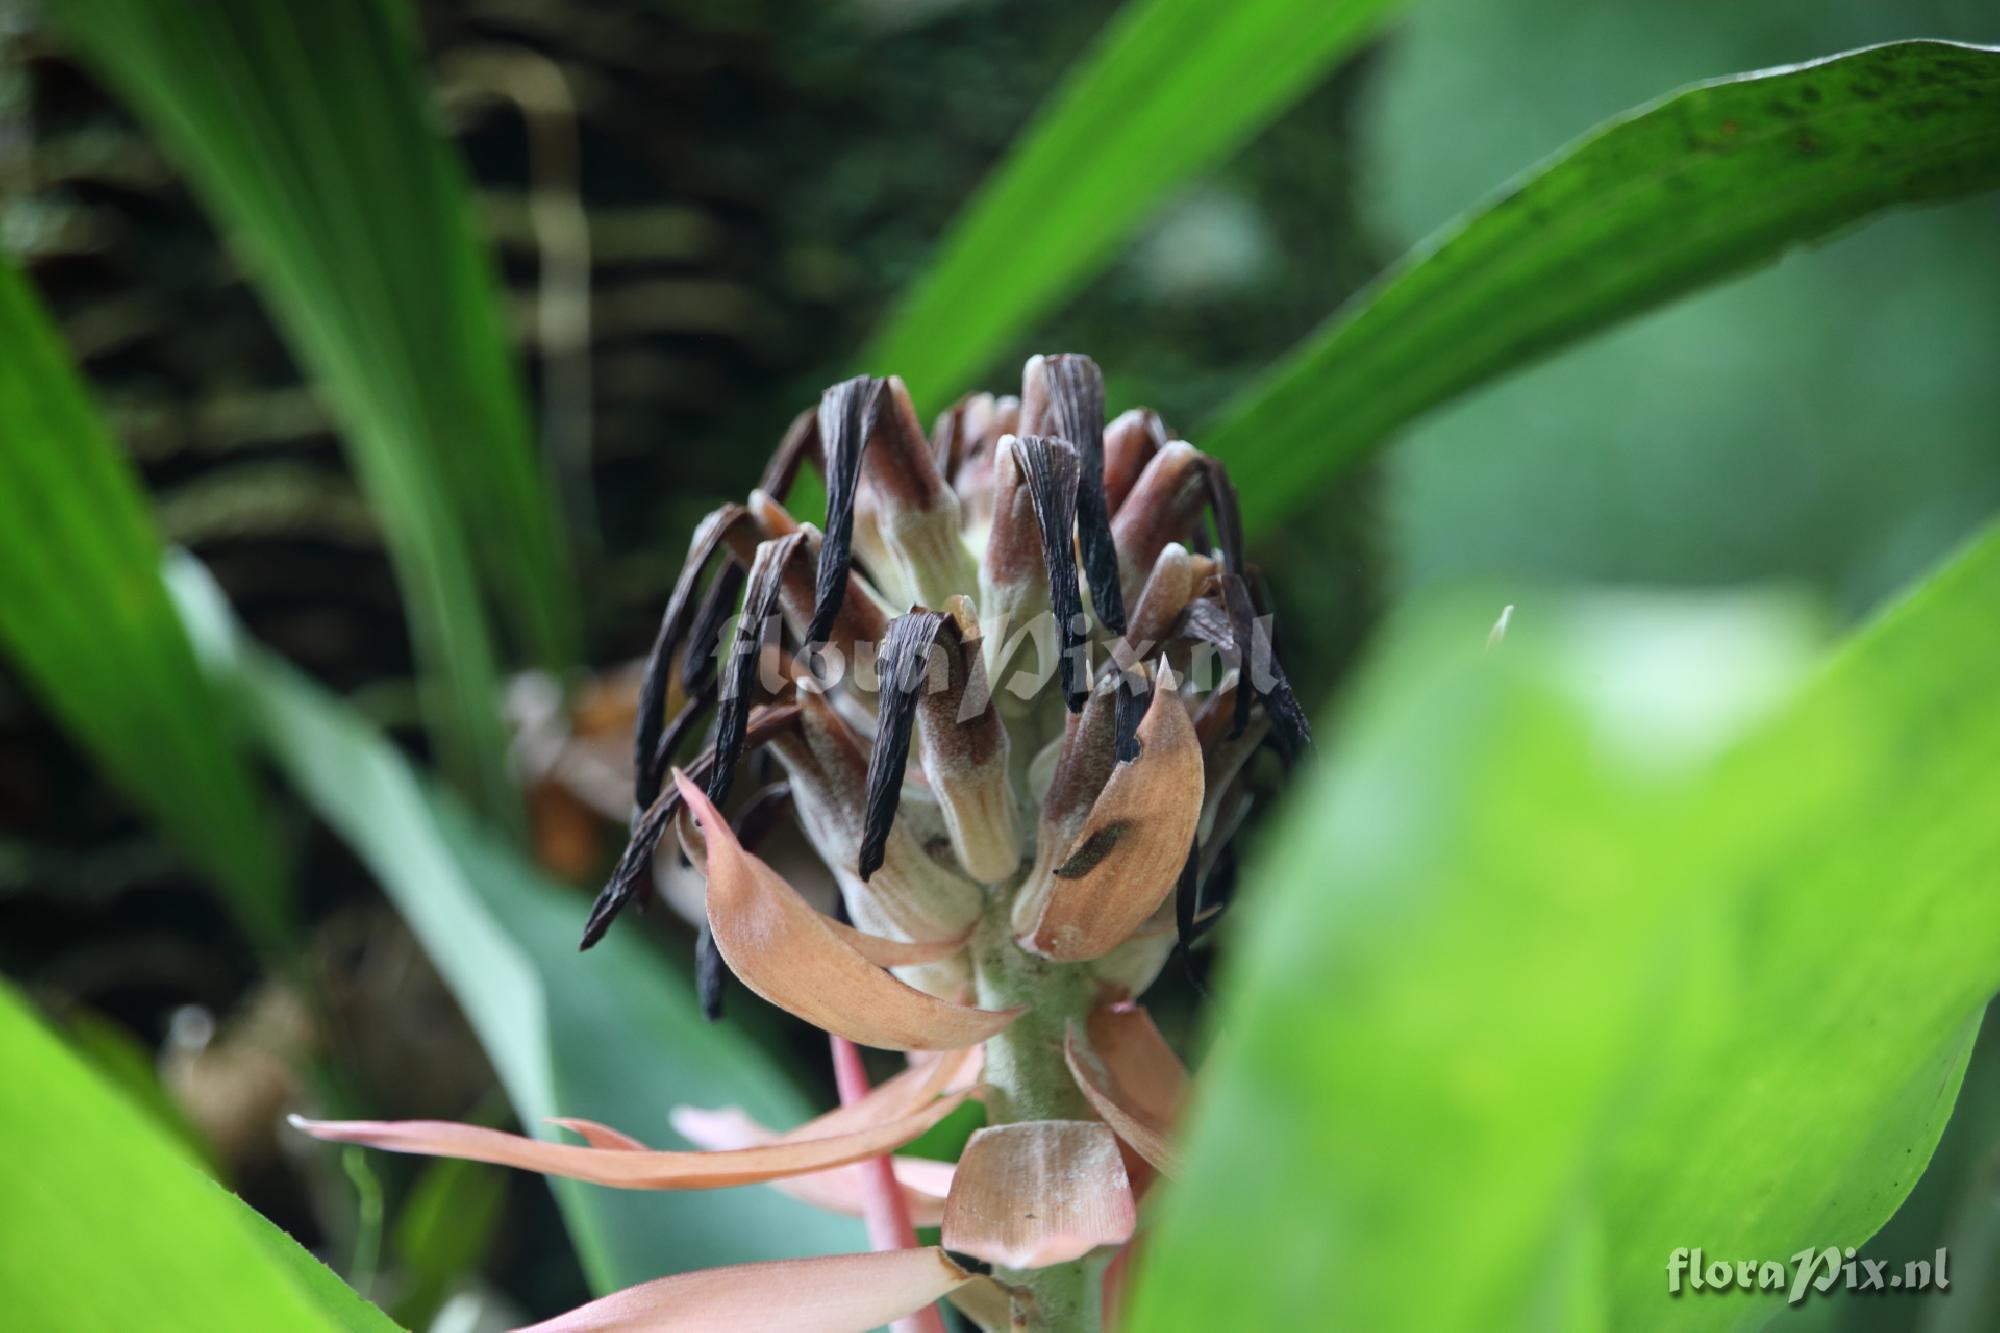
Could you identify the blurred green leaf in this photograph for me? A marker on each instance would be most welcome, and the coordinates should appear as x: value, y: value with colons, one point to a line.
x: 442, y: 1232
x: 110, y: 1224
x: 1170, y: 88
x: 85, y: 617
x: 308, y: 133
x: 118, y: 1058
x: 1585, y: 950
x: 1692, y: 189
x: 613, y: 1035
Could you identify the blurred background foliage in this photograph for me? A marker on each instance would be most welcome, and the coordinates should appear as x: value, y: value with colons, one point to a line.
x: 731, y: 198
x: 1706, y: 444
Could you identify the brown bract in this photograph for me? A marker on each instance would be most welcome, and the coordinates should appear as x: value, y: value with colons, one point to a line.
x: 1132, y: 1078
x: 781, y: 948
x: 1123, y: 862
x: 1039, y: 1192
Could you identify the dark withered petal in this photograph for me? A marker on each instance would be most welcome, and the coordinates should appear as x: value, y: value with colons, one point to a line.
x: 800, y: 443
x: 709, y: 969
x: 1050, y: 468
x: 1206, y: 621
x: 700, y: 662
x: 761, y: 813
x: 659, y: 662
x: 847, y: 414
x: 670, y: 740
x: 1259, y: 666
x: 1073, y: 409
x: 1228, y: 513
x: 904, y: 673
x: 632, y: 872
x: 760, y: 602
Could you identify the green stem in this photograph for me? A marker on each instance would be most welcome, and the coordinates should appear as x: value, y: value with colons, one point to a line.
x: 1030, y: 1080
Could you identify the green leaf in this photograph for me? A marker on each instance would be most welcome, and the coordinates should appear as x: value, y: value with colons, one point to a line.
x: 613, y: 1035
x: 1697, y: 187
x: 84, y: 615
x: 1171, y: 88
x: 443, y: 1231
x: 1607, y: 943
x: 307, y: 132
x: 112, y: 1225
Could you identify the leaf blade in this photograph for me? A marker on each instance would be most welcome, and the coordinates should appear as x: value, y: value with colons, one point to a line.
x: 1590, y: 986
x: 85, y: 617
x: 308, y: 135
x: 1170, y: 88
x: 128, y: 1231
x: 1696, y: 187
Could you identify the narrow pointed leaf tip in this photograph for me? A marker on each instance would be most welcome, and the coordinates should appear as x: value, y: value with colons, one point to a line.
x: 840, y: 1293
x: 781, y: 948
x: 1039, y: 1192
x: 1128, y: 855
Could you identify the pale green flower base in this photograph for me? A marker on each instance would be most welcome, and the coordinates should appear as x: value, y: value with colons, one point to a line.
x: 1031, y: 1081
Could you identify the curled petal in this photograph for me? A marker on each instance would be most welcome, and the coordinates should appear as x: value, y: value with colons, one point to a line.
x: 788, y: 953
x: 844, y: 1189
x: 897, y: 953
x: 836, y: 1293
x: 1118, y: 869
x: 1039, y: 1192
x: 1132, y: 1078
x: 626, y: 1167
x: 931, y: 1073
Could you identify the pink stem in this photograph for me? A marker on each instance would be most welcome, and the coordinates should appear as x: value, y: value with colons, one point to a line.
x: 884, y: 1207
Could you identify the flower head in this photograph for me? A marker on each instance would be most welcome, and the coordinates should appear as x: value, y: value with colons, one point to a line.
x: 1014, y: 680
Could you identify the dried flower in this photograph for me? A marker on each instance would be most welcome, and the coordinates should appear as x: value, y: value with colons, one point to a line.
x: 1014, y: 682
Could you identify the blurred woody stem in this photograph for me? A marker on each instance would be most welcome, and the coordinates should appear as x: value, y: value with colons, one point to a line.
x: 1030, y: 1080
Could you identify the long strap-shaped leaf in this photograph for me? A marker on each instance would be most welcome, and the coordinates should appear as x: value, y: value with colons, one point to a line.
x: 1171, y: 88
x: 1694, y: 188
x: 84, y: 615
x: 111, y: 1225
x: 305, y: 129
